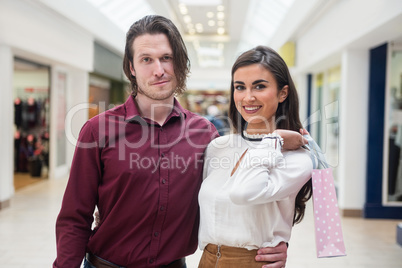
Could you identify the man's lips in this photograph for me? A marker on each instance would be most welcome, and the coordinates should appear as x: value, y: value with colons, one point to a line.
x: 158, y: 83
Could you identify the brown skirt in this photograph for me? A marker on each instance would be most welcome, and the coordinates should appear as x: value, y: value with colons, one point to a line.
x: 229, y: 257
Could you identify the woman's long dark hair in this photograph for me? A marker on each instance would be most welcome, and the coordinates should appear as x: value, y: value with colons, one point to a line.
x: 287, y: 114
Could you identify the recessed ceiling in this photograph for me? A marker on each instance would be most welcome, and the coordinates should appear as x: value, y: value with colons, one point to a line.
x: 215, y: 31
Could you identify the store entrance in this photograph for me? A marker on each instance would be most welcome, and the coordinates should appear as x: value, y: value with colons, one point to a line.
x: 31, y: 84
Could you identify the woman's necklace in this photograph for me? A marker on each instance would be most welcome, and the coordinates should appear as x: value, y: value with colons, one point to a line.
x: 253, y: 136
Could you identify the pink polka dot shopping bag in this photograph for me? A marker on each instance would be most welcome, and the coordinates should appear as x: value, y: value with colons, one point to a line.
x: 328, y: 229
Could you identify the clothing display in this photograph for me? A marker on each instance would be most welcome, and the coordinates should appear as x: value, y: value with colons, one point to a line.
x: 31, y: 138
x: 251, y: 206
x: 143, y: 178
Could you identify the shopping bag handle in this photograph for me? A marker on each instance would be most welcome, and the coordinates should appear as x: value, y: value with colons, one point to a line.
x: 316, y: 154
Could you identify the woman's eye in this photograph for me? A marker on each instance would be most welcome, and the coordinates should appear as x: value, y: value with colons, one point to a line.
x: 239, y: 87
x: 260, y: 86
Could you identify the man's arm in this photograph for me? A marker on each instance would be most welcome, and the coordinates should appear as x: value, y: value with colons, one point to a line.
x: 277, y: 255
x: 73, y: 225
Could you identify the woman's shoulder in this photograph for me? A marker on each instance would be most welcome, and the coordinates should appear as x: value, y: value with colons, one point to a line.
x: 224, y: 142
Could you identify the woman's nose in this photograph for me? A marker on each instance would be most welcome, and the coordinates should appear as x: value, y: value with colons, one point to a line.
x: 250, y: 96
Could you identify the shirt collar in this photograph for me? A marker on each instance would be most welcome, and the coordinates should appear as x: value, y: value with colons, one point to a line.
x: 132, y: 111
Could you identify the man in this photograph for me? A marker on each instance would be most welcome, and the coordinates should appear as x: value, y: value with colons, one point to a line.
x: 141, y: 165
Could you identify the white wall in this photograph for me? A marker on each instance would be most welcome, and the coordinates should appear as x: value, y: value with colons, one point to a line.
x: 92, y: 20
x: 27, y: 26
x: 345, y: 22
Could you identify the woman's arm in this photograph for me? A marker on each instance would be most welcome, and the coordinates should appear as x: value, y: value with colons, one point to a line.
x: 264, y: 175
x: 292, y: 140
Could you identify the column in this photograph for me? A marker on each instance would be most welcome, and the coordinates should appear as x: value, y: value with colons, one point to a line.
x: 6, y: 123
x: 353, y: 131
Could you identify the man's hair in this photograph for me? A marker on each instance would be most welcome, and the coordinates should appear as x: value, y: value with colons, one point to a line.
x: 154, y: 24
x: 287, y: 113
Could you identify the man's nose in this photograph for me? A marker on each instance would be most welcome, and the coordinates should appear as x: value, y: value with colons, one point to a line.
x: 158, y: 69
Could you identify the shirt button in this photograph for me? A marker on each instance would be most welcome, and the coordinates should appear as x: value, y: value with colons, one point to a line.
x: 156, y: 234
x: 163, y: 155
x: 163, y: 181
x: 162, y: 208
x: 161, y: 129
x: 151, y: 260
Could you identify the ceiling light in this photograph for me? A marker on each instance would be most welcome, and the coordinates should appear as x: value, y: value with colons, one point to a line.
x: 199, y: 27
x: 201, y: 2
x: 211, y: 23
x: 183, y: 9
x: 220, y: 15
x: 220, y: 8
x: 221, y: 31
x: 210, y: 15
x: 187, y: 19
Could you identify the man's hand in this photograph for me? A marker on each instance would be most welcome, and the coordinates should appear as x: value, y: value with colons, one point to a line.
x: 276, y: 255
x: 292, y: 140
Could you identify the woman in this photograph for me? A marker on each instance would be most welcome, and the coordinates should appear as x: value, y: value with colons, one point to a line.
x: 253, y: 191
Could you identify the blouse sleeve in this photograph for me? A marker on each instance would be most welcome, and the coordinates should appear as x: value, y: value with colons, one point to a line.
x: 264, y: 175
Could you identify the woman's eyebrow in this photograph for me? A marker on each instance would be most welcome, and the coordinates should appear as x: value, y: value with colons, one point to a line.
x: 255, y: 82
x: 238, y: 82
x: 259, y: 81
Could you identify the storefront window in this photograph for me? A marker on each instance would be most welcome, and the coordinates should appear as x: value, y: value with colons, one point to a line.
x: 31, y: 83
x: 324, y: 120
x: 393, y: 135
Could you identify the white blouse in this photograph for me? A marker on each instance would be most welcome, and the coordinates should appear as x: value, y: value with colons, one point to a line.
x: 254, y: 207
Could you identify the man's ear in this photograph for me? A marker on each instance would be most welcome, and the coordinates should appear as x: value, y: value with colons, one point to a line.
x: 283, y: 94
x: 132, y: 69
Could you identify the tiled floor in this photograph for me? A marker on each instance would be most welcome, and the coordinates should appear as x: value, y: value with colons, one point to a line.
x: 27, y: 235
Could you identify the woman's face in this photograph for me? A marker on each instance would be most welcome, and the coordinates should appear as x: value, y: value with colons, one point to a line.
x: 256, y: 96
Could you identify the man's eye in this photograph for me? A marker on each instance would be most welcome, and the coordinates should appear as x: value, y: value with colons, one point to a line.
x: 167, y: 58
x: 146, y: 59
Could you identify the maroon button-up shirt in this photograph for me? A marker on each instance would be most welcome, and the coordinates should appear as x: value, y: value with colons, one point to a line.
x: 144, y: 178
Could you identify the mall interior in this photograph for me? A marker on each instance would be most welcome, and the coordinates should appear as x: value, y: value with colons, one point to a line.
x: 61, y: 64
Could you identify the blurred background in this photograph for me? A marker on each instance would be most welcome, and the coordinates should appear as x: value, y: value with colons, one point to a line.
x: 61, y: 64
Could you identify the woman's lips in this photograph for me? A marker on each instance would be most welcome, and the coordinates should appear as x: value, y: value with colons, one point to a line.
x: 251, y: 109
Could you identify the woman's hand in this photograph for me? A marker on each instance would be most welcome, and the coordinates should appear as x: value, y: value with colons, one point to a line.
x: 276, y: 255
x: 96, y: 219
x: 292, y: 140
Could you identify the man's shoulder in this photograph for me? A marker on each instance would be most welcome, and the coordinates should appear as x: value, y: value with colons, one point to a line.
x: 115, y: 113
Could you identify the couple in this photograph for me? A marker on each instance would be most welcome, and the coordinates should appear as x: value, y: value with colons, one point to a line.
x: 254, y: 187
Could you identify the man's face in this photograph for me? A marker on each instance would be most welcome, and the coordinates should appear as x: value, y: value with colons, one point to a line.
x: 153, y: 66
